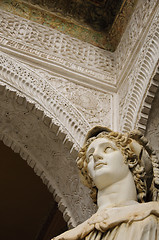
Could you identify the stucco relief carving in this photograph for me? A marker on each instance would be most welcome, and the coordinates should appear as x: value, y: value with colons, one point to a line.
x: 46, y: 97
x: 36, y: 121
x: 143, y: 115
x: 47, y: 43
x: 140, y: 77
x: 46, y: 150
x: 152, y: 131
x: 51, y: 45
x: 39, y: 42
x: 95, y: 106
x: 134, y: 31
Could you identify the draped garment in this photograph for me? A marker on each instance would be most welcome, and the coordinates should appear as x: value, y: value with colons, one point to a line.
x: 133, y: 222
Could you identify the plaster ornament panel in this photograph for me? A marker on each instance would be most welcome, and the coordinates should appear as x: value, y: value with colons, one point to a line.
x: 122, y: 96
x: 31, y: 127
x: 46, y: 150
x: 63, y: 53
x: 97, y: 15
x: 152, y: 130
x: 45, y: 44
x: 144, y: 112
x: 134, y: 35
x: 100, y: 24
x: 46, y: 97
x: 21, y: 37
x: 140, y: 77
x: 95, y: 106
x: 52, y: 46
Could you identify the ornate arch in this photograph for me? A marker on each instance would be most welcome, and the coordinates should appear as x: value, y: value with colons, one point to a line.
x: 143, y: 115
x: 46, y: 130
x: 45, y: 97
x: 141, y: 76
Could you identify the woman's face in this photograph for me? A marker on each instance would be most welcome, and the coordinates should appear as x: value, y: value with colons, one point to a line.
x: 105, y: 163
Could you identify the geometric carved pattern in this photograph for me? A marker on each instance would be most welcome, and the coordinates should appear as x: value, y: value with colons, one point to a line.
x: 44, y: 151
x: 95, y: 106
x: 60, y: 50
x: 133, y: 35
x: 148, y: 103
x: 51, y: 45
x: 152, y: 129
x: 140, y: 77
x: 109, y: 18
x: 46, y: 97
x: 45, y: 129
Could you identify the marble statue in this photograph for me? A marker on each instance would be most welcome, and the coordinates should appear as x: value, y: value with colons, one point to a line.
x: 122, y: 172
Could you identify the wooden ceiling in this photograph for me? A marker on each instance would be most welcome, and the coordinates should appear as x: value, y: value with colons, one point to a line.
x: 27, y: 210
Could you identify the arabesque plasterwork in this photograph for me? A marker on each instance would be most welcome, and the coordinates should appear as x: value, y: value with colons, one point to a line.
x: 95, y: 106
x: 147, y: 103
x: 50, y: 45
x: 152, y: 131
x: 140, y: 78
x: 134, y: 34
x: 54, y: 47
x: 100, y: 24
x: 41, y: 138
x: 46, y: 97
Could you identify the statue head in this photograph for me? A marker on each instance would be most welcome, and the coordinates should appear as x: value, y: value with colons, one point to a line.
x: 137, y: 155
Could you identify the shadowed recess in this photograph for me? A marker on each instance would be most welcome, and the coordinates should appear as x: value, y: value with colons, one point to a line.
x: 28, y: 210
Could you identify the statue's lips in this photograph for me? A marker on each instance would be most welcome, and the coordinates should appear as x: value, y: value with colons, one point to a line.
x: 99, y: 165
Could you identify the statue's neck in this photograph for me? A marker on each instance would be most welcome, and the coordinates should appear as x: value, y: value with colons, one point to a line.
x: 117, y: 194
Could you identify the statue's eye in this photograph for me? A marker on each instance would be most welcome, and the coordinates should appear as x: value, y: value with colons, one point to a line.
x: 89, y: 157
x: 108, y: 150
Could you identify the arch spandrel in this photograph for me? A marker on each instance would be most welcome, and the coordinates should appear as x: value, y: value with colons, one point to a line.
x: 41, y: 138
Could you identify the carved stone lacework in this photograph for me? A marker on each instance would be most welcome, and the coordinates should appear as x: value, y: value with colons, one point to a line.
x: 152, y: 131
x: 50, y: 45
x: 140, y: 76
x: 122, y: 93
x: 40, y: 145
x: 36, y: 121
x: 41, y: 92
x: 95, y: 106
x: 139, y: 21
x: 43, y: 42
x: 143, y: 115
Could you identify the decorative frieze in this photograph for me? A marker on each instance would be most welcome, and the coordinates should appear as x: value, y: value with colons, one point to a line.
x: 49, y: 44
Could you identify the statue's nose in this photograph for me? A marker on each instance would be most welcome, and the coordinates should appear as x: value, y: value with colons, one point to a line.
x: 97, y: 155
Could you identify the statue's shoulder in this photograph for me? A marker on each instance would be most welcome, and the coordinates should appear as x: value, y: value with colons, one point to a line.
x: 109, y: 218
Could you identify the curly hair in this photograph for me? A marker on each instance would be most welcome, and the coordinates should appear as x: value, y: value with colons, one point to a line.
x: 122, y: 142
